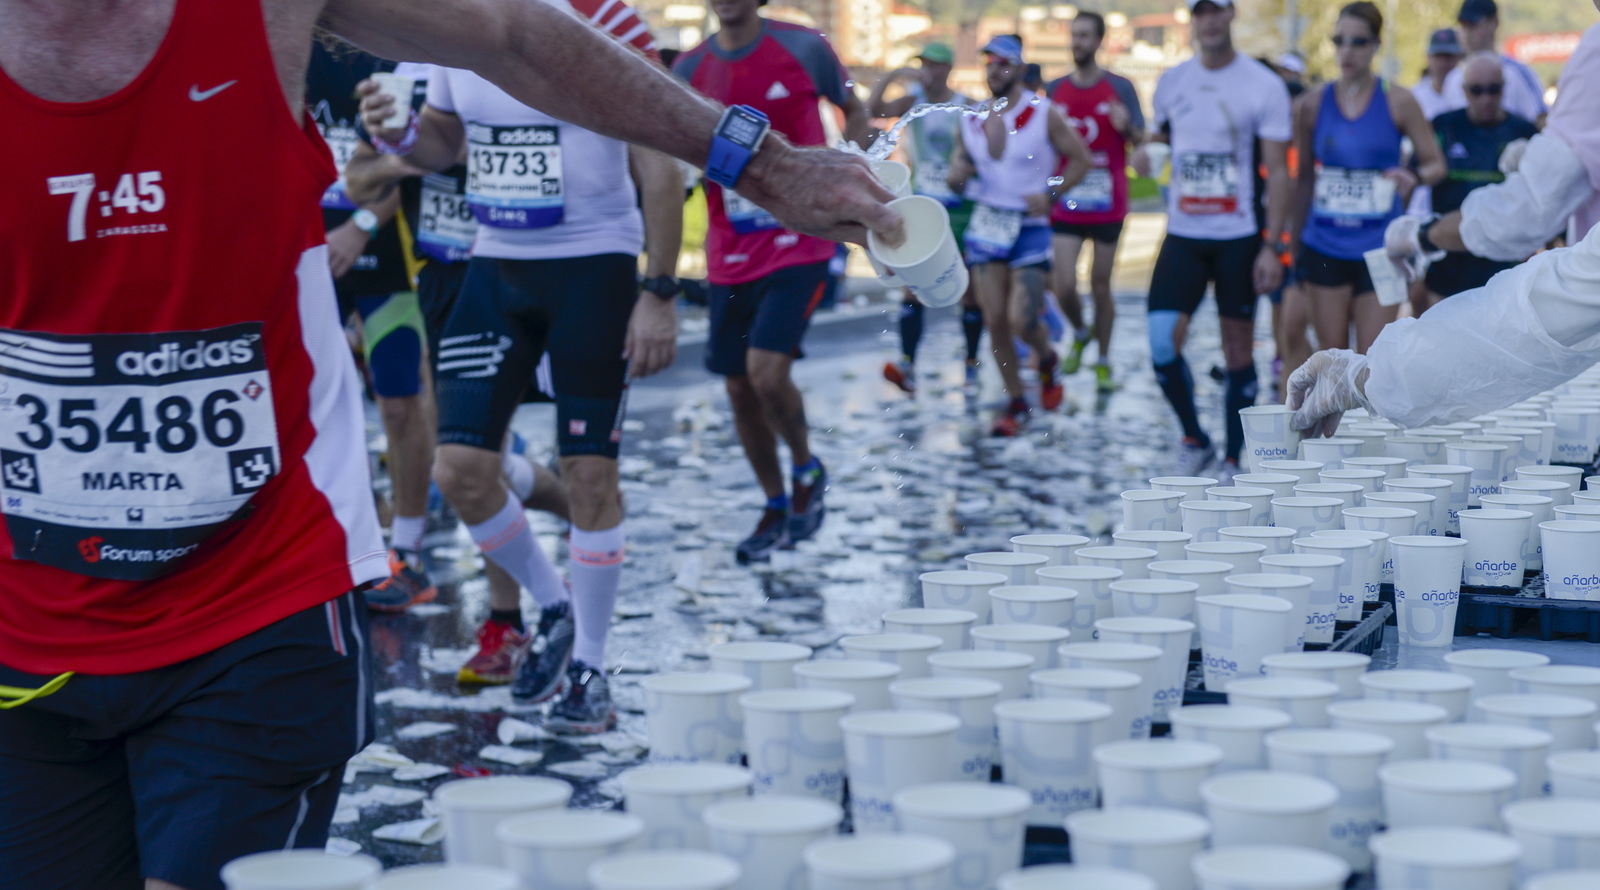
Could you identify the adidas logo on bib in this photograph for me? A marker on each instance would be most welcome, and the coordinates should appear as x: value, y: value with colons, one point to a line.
x: 777, y: 91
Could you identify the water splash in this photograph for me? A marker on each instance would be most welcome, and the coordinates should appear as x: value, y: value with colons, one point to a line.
x: 886, y: 143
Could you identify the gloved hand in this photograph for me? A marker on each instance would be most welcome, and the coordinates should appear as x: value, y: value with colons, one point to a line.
x: 1326, y: 386
x: 1401, y: 244
x: 1511, y: 156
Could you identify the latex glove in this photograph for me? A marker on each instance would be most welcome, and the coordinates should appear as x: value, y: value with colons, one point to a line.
x: 1400, y: 242
x: 1325, y: 387
x: 1511, y: 156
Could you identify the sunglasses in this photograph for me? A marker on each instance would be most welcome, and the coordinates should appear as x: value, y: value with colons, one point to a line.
x: 1488, y: 89
x: 1352, y: 42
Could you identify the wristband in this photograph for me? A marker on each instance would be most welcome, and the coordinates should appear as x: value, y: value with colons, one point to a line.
x: 1428, y: 247
x: 665, y: 287
x: 406, y: 143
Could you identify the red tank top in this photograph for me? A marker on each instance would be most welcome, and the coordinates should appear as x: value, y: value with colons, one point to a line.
x: 182, y: 455
x: 1102, y: 195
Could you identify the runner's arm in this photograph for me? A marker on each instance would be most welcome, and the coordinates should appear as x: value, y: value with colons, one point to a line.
x: 857, y: 122
x: 881, y: 107
x: 652, y: 340
x: 441, y: 137
x: 1268, y: 273
x: 1305, y: 179
x: 1064, y: 138
x: 961, y: 168
x: 347, y: 241
x: 1430, y: 162
x: 370, y: 177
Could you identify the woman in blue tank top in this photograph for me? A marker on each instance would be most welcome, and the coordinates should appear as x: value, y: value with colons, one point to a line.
x: 1351, y: 182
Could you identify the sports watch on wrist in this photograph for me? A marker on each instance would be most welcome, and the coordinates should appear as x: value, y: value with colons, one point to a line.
x: 366, y: 221
x: 734, y: 142
x: 663, y: 286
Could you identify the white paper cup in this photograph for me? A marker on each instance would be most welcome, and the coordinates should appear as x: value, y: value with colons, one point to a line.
x: 768, y: 665
x: 471, y: 808
x: 1433, y: 517
x: 1155, y: 842
x: 1018, y: 568
x: 1040, y: 604
x: 793, y: 743
x: 1172, y: 636
x: 1328, y: 583
x: 554, y: 848
x: 1405, y: 723
x: 694, y: 718
x: 1269, y: 807
x: 1558, y: 679
x: 1369, y: 480
x: 1305, y: 515
x: 1577, y: 431
x: 1134, y: 562
x: 1305, y: 701
x: 1566, y: 879
x: 300, y: 870
x: 1046, y: 745
x: 1447, y: 690
x: 1488, y: 463
x: 1075, y: 877
x: 1572, y: 477
x: 1122, y: 690
x: 889, y: 751
x: 1342, y: 669
x: 1381, y: 555
x: 969, y: 700
x: 866, y: 681
x: 1349, y: 760
x: 1555, y: 834
x: 1392, y: 467
x: 1237, y: 631
x: 1490, y: 669
x: 1036, y: 641
x: 1348, y: 492
x: 1009, y: 669
x: 1239, y: 731
x: 1278, y: 541
x: 895, y: 176
x: 670, y: 799
x: 1155, y: 773
x: 1542, y: 510
x: 1355, y: 575
x: 1268, y: 434
x: 1269, y: 868
x: 1496, y: 542
x: 960, y: 590
x: 1259, y: 500
x: 1454, y: 794
x: 1580, y: 511
x: 1392, y: 522
x: 1058, y: 549
x: 1571, y: 551
x: 909, y: 651
x: 1193, y: 487
x: 1460, y: 479
x: 1559, y: 493
x: 1294, y: 589
x: 1280, y: 484
x: 399, y: 88
x: 1145, y: 509
x: 1524, y: 444
x: 929, y: 261
x: 452, y: 877
x: 1427, y: 588
x: 1569, y: 720
x: 1244, y: 556
x: 1444, y: 859
x: 1203, y: 519
x: 1167, y: 545
x: 1574, y: 774
x: 1536, y: 431
x: 664, y: 870
x: 1206, y: 574
x: 767, y: 837
x: 1330, y: 451
x: 953, y: 626
x: 1142, y: 659
x: 1415, y: 449
x: 1517, y: 748
x: 1153, y: 598
x: 984, y: 823
x: 1093, y: 586
x: 880, y: 862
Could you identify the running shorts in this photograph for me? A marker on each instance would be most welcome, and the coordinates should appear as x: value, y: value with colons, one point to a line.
x: 1103, y: 233
x: 769, y: 313
x: 392, y: 334
x: 1032, y: 248
x: 1461, y: 271
x: 1316, y: 267
x: 509, y: 314
x: 438, y: 285
x: 1186, y: 265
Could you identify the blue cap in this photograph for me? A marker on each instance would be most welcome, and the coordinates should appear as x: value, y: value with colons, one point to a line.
x: 1444, y: 42
x: 1006, y: 47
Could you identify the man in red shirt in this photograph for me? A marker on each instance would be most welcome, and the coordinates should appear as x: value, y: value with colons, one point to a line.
x: 1104, y: 109
x: 765, y: 279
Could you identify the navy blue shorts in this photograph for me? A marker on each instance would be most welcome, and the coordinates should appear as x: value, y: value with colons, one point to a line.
x: 170, y: 773
x: 769, y: 313
x: 438, y: 286
x: 393, y: 334
x: 1316, y: 267
x: 1459, y: 271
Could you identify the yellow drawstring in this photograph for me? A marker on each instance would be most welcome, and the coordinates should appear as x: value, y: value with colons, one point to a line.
x: 14, y: 696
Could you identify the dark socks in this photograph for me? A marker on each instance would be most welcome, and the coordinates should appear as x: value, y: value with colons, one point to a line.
x: 910, y: 329
x: 781, y: 502
x: 1178, y: 386
x: 1242, y: 389
x: 512, y: 617
x: 972, y: 326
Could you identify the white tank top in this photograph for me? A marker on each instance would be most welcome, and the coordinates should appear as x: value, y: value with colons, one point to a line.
x: 1026, y: 165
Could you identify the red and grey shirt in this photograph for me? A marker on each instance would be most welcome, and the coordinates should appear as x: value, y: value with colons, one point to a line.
x: 783, y: 73
x: 1102, y: 195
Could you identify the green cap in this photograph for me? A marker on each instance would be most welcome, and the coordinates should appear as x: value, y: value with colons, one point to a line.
x: 938, y: 52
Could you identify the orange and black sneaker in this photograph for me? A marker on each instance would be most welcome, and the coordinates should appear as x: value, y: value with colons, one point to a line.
x: 1011, y: 421
x: 901, y: 374
x: 1051, y: 389
x: 408, y: 585
x: 501, y: 648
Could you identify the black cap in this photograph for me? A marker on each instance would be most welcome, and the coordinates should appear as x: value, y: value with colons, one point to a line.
x: 1444, y: 42
x: 1475, y: 11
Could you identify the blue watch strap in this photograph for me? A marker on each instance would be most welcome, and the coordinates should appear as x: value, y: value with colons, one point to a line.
x: 728, y: 158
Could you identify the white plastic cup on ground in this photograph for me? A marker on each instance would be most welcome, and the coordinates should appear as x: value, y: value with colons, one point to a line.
x: 1488, y: 463
x: 1243, y: 556
x: 768, y: 665
x: 1496, y: 542
x: 1018, y: 568
x: 670, y: 799
x: 1405, y: 723
x: 1330, y: 451
x: 1571, y: 550
x: 1460, y: 479
x: 1439, y: 515
x: 1192, y: 487
x: 1206, y: 574
x: 1204, y: 519
x: 1350, y: 493
x: 1577, y: 431
x: 960, y: 590
x: 471, y: 808
x: 1542, y: 510
x: 1558, y: 679
x: 1305, y: 701
x: 1138, y: 658
x: 1294, y: 589
x: 694, y: 718
x: 953, y: 626
x: 1036, y: 641
x: 1279, y: 541
x: 1093, y: 586
x: 1270, y: 868
x: 1305, y: 515
x: 1170, y: 635
x: 1357, y: 570
x: 1427, y: 587
x: 1574, y: 774
x: 1444, y: 859
x: 768, y: 836
x: 880, y: 862
x: 1162, y: 773
x: 1380, y: 544
x: 1490, y: 669
x: 867, y: 681
x: 1523, y: 444
x: 1153, y: 841
x: 1454, y: 794
x: 1058, y: 549
x: 1370, y: 481
x: 968, y: 700
x: 663, y: 870
x: 1239, y: 731
x: 1259, y: 501
x: 1134, y: 562
x: 1342, y: 669
x: 1431, y: 519
x: 1443, y: 688
x: 1280, y: 484
x: 929, y: 261
x: 1041, y: 604
x: 301, y: 870
x: 1237, y: 631
x: 455, y: 876
x: 398, y: 87
x: 1324, y: 570
x: 1562, y: 833
x: 984, y: 823
x: 793, y: 743
x: 1152, y: 598
x: 1269, y: 807
x: 1009, y: 669
x: 1268, y: 434
x: 888, y: 751
x: 1167, y: 545
x: 909, y: 651
x: 554, y: 848
x: 1517, y: 748
x: 1415, y: 449
x: 1349, y: 760
x: 1395, y: 522
x: 1147, y: 509
x: 1122, y: 690
x: 1046, y: 746
x: 1392, y: 467
x: 1569, y: 720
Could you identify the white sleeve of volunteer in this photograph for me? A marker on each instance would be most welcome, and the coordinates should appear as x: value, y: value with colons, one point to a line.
x: 1511, y: 220
x: 1529, y: 329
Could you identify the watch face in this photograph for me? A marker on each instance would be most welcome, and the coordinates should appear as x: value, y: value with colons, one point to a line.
x: 742, y: 130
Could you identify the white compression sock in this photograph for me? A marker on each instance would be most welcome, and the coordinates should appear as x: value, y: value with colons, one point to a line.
x: 507, y: 539
x: 596, y: 568
x: 405, y: 533
x: 520, y: 474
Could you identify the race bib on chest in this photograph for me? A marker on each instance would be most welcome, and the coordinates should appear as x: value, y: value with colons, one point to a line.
x: 121, y: 453
x: 447, y: 227
x: 514, y: 175
x: 342, y: 141
x: 1092, y: 194
x: 745, y: 215
x: 1352, y: 199
x: 993, y: 228
x: 1208, y: 183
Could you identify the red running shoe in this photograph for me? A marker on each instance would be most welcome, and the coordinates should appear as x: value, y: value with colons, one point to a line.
x: 501, y: 648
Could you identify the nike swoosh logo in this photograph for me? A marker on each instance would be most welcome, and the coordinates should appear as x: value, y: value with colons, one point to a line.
x: 198, y: 95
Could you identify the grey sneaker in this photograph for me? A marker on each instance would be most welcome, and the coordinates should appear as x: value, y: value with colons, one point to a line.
x: 541, y: 673
x: 1193, y: 457
x: 586, y: 707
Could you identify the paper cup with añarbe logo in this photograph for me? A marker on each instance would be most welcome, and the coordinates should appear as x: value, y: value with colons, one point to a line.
x: 399, y: 87
x: 1268, y: 434
x: 1496, y: 542
x: 896, y: 177
x: 1427, y: 587
x: 1571, y: 559
x: 1236, y: 632
x: 929, y: 261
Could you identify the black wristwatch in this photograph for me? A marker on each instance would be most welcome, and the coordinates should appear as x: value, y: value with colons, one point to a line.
x: 1422, y: 237
x: 663, y: 286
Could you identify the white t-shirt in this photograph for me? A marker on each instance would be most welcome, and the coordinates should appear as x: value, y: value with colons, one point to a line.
x: 535, y: 203
x: 1523, y: 95
x: 1214, y: 119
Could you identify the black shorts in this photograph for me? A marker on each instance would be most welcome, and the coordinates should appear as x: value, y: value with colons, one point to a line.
x: 438, y: 286
x: 1461, y: 271
x: 509, y: 314
x: 769, y: 313
x: 1316, y: 267
x: 1104, y: 233
x: 170, y: 773
x: 1186, y: 265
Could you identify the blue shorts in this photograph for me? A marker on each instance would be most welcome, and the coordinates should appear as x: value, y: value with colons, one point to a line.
x: 170, y: 773
x: 769, y: 313
x: 1032, y: 248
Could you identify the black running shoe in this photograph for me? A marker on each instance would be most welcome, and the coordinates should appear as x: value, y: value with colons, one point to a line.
x: 806, y: 507
x: 772, y: 533
x: 542, y: 671
x: 585, y: 708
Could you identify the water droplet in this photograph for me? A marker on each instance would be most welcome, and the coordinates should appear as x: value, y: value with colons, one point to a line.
x: 1034, y: 101
x: 1030, y: 157
x: 1055, y: 180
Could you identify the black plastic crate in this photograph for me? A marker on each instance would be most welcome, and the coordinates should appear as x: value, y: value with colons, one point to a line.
x: 1525, y: 613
